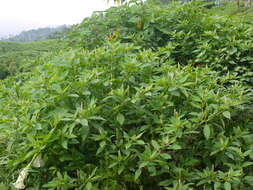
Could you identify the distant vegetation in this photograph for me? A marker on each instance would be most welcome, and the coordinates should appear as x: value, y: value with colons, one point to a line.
x: 38, y: 34
x: 244, y: 13
x: 14, y: 56
x: 142, y: 97
x: 19, y: 51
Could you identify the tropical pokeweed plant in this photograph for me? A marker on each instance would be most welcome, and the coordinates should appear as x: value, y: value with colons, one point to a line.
x: 119, y: 118
x: 198, y: 36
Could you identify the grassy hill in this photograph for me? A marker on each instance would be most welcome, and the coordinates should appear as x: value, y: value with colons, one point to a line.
x: 14, y: 55
x: 244, y: 13
x: 146, y: 96
x: 38, y: 34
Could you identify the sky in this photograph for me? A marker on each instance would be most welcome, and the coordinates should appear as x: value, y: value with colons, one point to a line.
x: 19, y: 15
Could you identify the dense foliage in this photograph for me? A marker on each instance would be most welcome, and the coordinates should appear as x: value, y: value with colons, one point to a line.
x: 146, y: 96
x: 194, y: 34
x: 13, y: 56
x: 126, y: 121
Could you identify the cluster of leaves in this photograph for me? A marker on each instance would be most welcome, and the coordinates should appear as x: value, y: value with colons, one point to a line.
x: 13, y: 56
x: 118, y: 118
x: 194, y: 33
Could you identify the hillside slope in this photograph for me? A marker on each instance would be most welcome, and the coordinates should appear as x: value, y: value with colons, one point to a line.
x: 13, y: 55
x: 37, y: 34
x: 243, y: 13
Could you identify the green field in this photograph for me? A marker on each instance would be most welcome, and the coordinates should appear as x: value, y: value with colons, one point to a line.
x: 230, y: 9
x: 14, y: 55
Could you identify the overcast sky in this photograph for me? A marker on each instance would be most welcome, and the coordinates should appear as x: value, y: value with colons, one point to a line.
x: 18, y: 15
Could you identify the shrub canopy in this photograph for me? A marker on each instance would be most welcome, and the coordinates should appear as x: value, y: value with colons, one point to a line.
x: 136, y: 103
x: 195, y: 35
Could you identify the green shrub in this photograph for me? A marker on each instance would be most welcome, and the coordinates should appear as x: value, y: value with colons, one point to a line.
x: 195, y: 34
x: 116, y: 118
x: 147, y: 25
x: 136, y: 103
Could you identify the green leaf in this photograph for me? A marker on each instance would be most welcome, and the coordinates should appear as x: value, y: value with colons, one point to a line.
x: 101, y: 147
x: 249, y: 180
x: 74, y: 95
x: 112, y: 165
x: 88, y: 186
x: 140, y: 142
x: 226, y: 114
x: 217, y: 185
x: 155, y: 145
x: 206, y: 131
x: 84, y: 122
x: 85, y: 132
x: 121, y: 169
x: 120, y: 119
x: 175, y: 147
x: 137, y: 174
x: 227, y: 186
x: 65, y: 143
x: 165, y: 156
x: 246, y: 164
x: 143, y: 164
x: 165, y: 183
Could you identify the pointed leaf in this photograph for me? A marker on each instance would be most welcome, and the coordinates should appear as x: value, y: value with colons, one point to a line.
x: 84, y: 122
x: 155, y: 145
x: 120, y: 119
x: 137, y: 174
x: 206, y: 131
x: 85, y: 130
x: 65, y: 143
x: 227, y: 186
x: 226, y: 114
